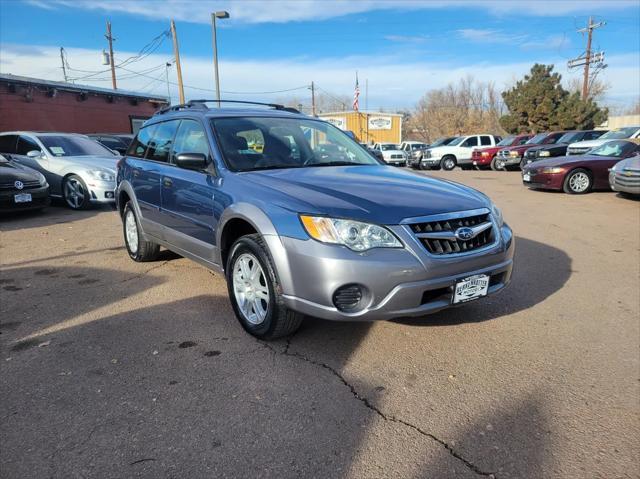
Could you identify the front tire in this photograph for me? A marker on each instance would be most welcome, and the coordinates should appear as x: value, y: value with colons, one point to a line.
x: 138, y: 248
x: 255, y: 292
x: 75, y: 193
x: 578, y: 182
x: 496, y: 164
x: 448, y: 163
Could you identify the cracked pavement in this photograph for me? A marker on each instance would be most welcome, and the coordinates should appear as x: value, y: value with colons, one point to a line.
x: 115, y: 369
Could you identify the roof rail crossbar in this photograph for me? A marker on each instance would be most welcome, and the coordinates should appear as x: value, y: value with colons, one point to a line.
x: 182, y: 106
x: 275, y: 106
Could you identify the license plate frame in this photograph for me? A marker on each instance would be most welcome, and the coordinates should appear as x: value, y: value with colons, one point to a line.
x: 22, y: 198
x: 470, y: 288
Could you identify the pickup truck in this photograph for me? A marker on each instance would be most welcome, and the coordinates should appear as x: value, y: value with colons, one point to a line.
x: 513, y: 156
x: 392, y: 153
x: 486, y: 157
x: 457, y: 153
x: 410, y: 146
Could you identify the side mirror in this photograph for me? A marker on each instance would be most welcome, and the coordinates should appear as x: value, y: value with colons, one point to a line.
x: 191, y: 161
x: 34, y: 154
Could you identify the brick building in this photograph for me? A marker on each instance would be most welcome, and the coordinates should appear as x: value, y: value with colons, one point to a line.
x: 43, y: 105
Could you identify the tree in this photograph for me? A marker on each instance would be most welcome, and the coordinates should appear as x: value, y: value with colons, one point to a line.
x: 540, y: 103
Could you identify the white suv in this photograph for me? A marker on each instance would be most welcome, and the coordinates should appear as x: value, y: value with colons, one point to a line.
x: 392, y: 153
x: 458, y: 152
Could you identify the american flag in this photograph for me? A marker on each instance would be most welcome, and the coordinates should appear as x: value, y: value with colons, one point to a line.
x: 356, y: 95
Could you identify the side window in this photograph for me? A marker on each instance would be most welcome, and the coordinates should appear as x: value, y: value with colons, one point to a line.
x: 592, y: 135
x: 523, y: 140
x: 140, y: 143
x: 25, y: 145
x: 485, y: 140
x: 8, y: 144
x: 191, y: 138
x: 161, y: 141
x: 472, y: 141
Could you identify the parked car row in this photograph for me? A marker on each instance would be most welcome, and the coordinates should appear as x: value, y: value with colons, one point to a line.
x: 76, y: 168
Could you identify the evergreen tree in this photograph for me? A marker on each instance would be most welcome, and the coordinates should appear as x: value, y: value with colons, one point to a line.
x: 540, y: 103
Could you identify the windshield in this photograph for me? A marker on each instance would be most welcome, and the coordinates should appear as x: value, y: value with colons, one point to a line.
x: 537, y: 139
x: 507, y: 141
x: 569, y: 137
x: 388, y: 146
x: 417, y: 146
x: 442, y: 141
x: 263, y: 143
x: 615, y: 149
x: 457, y: 141
x: 620, y: 133
x: 73, y: 146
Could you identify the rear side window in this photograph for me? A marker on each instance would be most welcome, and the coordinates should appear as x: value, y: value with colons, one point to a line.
x: 8, y: 144
x: 191, y: 138
x: 485, y: 140
x: 140, y: 143
x: 523, y: 140
x: 161, y: 141
x: 25, y: 145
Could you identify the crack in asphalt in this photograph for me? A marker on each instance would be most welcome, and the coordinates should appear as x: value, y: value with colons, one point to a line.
x: 375, y: 409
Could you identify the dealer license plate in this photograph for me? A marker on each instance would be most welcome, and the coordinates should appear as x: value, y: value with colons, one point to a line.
x: 471, y: 288
x: 22, y: 198
x: 526, y: 177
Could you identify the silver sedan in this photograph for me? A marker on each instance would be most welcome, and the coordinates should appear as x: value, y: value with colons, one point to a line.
x: 625, y: 176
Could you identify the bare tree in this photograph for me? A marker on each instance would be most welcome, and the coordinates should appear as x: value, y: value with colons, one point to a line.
x: 458, y: 108
x: 633, y: 109
x: 597, y: 88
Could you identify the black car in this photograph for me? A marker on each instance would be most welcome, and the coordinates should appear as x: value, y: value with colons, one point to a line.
x: 376, y: 153
x: 559, y: 148
x: 21, y: 188
x: 118, y: 143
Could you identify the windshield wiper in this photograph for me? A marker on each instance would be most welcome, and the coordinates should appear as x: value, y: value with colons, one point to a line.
x: 277, y: 167
x: 338, y: 163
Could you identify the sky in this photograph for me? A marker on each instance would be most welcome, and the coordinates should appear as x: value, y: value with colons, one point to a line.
x: 272, y: 50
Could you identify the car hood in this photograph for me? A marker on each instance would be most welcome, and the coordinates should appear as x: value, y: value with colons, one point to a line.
x: 378, y: 194
x: 519, y: 148
x: 394, y: 152
x: 108, y: 162
x: 11, y: 171
x: 632, y: 163
x: 569, y: 160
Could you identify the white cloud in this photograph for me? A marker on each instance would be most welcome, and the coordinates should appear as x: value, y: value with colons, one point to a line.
x: 281, y: 11
x: 479, y: 35
x: 393, y: 81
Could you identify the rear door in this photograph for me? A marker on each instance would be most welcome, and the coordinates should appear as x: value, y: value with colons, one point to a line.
x: 191, y: 205
x: 145, y: 177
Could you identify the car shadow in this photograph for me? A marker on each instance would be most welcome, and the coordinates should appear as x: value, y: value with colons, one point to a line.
x: 57, y: 213
x: 539, y: 271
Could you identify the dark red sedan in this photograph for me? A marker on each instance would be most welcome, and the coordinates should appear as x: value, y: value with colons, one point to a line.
x: 579, y: 174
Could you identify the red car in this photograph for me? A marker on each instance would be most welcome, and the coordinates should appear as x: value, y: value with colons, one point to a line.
x: 486, y: 157
x: 579, y: 174
x: 513, y: 156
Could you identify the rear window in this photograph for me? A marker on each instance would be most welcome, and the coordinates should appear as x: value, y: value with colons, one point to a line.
x: 59, y: 145
x: 8, y: 143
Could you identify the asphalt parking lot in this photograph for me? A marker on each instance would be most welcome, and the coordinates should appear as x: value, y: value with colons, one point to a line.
x: 111, y: 368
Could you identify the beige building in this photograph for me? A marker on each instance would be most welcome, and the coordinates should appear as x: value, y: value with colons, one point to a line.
x: 368, y: 126
x: 621, y: 121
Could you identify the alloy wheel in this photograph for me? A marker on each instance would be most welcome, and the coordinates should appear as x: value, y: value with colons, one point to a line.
x: 579, y: 182
x: 131, y: 231
x: 250, y: 288
x: 74, y: 193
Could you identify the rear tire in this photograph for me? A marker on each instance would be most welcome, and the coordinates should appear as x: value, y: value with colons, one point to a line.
x: 138, y: 248
x: 448, y: 163
x: 255, y: 292
x: 578, y: 182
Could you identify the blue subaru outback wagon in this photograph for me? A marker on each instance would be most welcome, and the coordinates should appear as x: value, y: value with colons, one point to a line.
x: 302, y: 220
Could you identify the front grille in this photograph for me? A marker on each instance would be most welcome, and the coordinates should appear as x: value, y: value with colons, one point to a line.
x: 438, y: 237
x: 12, y: 186
x: 530, y: 154
x: 577, y: 151
x: 621, y: 178
x: 396, y: 157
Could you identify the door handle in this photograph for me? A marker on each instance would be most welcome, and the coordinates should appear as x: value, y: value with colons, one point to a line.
x: 167, y: 182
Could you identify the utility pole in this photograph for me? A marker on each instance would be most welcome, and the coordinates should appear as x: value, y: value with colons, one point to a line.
x: 588, y: 57
x: 64, y: 68
x: 221, y: 14
x: 111, y: 60
x: 313, y: 99
x: 176, y: 53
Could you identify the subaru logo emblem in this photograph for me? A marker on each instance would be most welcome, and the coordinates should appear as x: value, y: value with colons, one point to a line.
x: 464, y: 233
x: 19, y: 185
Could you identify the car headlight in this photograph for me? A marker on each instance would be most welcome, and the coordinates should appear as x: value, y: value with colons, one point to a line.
x: 355, y: 235
x: 101, y: 175
x: 497, y: 215
x: 514, y: 154
x: 41, y: 179
x: 552, y: 169
x: 544, y: 153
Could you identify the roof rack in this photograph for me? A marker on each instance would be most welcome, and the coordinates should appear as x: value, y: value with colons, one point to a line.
x: 201, y: 105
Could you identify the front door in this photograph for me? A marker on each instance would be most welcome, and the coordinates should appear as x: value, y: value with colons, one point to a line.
x: 190, y: 198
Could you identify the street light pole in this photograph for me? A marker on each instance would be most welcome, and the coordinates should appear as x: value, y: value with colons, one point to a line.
x: 221, y: 14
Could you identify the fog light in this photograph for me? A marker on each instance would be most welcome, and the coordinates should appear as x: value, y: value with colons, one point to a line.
x: 109, y: 194
x: 348, y: 297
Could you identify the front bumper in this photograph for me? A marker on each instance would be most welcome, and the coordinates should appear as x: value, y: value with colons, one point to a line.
x: 102, y: 191
x: 39, y: 199
x: 544, y: 181
x: 511, y: 160
x: 625, y: 181
x: 481, y: 160
x: 399, y: 282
